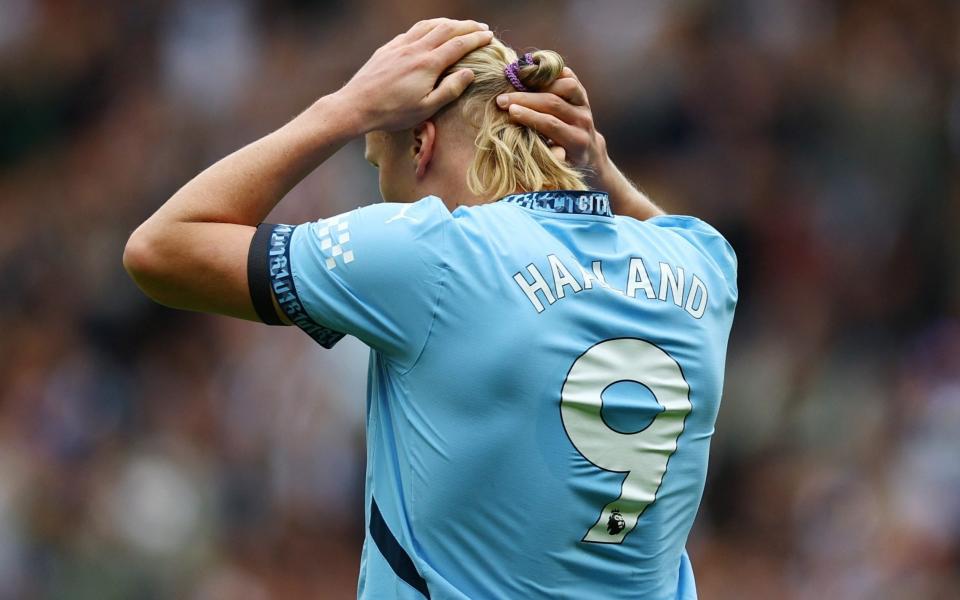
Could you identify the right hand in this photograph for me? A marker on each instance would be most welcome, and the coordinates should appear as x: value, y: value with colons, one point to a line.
x: 395, y: 90
x: 562, y: 114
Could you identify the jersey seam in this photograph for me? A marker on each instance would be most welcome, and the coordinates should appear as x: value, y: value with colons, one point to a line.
x: 436, y: 302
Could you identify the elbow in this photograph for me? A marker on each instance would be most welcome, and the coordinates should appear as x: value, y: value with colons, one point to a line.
x: 144, y: 263
x: 139, y: 254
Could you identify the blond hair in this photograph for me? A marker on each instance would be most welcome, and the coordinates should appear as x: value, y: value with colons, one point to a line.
x: 510, y: 157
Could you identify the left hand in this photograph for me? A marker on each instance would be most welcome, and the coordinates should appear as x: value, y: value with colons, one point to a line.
x: 395, y: 88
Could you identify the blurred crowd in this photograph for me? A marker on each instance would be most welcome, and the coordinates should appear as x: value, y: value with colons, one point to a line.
x: 149, y: 453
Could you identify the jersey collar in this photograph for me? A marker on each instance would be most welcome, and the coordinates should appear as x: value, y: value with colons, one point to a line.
x: 575, y: 202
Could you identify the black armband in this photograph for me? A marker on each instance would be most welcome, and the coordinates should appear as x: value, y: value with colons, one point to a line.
x: 258, y: 275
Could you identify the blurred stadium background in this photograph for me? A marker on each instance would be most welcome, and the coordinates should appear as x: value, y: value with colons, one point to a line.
x: 148, y: 453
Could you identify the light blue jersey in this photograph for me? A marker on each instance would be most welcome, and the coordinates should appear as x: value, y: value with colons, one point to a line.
x: 544, y: 381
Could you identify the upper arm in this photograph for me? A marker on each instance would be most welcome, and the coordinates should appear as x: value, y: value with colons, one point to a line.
x: 375, y: 273
x: 194, y: 266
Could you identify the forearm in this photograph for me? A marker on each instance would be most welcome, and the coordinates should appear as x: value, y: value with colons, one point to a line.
x: 245, y: 186
x: 627, y: 200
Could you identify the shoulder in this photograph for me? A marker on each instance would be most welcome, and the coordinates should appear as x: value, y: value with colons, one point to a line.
x: 704, y: 238
x: 388, y: 228
x: 687, y: 223
x: 427, y: 210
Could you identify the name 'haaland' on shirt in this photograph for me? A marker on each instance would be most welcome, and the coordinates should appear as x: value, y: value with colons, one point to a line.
x: 692, y: 298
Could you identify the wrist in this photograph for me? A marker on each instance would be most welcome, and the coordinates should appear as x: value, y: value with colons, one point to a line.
x: 603, y: 168
x: 337, y: 113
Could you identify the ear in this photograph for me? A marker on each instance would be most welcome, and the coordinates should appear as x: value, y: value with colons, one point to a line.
x: 424, y: 139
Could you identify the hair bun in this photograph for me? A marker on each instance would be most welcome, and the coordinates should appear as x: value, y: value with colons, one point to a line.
x: 546, y: 68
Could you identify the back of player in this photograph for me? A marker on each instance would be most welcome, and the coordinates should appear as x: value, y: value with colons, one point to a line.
x: 550, y: 438
x: 543, y: 388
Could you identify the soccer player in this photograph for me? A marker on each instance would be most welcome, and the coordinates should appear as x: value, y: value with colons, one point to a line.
x: 544, y: 372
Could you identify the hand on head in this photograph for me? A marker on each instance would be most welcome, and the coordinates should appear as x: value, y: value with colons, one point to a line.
x: 538, y: 138
x: 396, y: 88
x: 562, y: 114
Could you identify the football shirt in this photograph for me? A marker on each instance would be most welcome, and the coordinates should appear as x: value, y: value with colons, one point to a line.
x: 544, y: 381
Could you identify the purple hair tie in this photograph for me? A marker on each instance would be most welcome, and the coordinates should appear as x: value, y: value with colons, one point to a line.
x: 512, y: 70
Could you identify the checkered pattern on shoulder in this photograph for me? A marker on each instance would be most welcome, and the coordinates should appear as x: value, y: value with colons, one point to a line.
x: 335, y: 241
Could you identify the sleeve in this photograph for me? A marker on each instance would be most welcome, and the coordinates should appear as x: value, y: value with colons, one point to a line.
x: 375, y: 272
x: 708, y: 241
